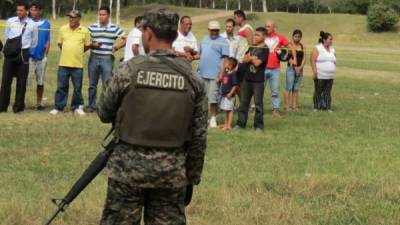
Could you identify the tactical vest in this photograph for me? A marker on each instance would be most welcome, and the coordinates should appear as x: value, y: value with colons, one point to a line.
x: 157, y: 109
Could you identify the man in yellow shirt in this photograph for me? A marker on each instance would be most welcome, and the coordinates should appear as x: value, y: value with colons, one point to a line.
x: 73, y: 41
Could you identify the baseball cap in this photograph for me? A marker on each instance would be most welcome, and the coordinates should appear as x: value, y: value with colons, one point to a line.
x: 74, y: 13
x: 214, y: 25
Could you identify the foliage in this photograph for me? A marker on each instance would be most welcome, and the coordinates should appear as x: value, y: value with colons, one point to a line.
x: 381, y: 18
x: 292, y: 6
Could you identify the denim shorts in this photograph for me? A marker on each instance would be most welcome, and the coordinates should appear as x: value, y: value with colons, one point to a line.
x: 293, y: 81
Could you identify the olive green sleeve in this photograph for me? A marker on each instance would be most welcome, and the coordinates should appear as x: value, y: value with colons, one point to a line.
x: 196, y: 147
x: 111, y: 98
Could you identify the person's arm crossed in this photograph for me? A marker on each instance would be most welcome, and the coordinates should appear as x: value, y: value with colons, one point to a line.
x: 256, y: 61
x: 246, y: 58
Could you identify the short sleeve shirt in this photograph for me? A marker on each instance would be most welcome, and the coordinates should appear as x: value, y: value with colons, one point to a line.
x: 106, y: 36
x: 212, y: 52
x: 134, y: 38
x: 38, y: 52
x: 256, y: 73
x: 73, y: 44
x: 275, y: 41
x: 228, y: 82
x: 14, y: 29
x: 182, y: 41
x: 233, y: 44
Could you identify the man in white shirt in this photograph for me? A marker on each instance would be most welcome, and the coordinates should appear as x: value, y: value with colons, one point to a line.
x: 134, y: 45
x: 22, y: 30
x: 231, y: 37
x: 185, y: 44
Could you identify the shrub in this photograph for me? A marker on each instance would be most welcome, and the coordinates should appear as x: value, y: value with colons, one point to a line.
x: 381, y: 18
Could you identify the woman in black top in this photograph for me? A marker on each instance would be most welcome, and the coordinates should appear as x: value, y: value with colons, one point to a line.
x: 294, y: 73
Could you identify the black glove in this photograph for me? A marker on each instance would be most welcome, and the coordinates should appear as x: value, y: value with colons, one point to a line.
x: 189, y: 194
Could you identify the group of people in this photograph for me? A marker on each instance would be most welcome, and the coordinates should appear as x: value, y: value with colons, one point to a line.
x: 27, y: 46
x: 240, y: 66
x: 157, y: 105
x: 233, y: 67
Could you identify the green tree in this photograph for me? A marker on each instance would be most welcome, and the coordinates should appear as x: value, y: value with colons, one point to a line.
x: 381, y: 17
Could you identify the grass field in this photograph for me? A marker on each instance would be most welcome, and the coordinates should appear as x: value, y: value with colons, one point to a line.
x: 307, y: 168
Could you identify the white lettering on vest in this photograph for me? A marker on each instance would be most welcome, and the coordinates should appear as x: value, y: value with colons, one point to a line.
x: 181, y: 83
x: 160, y: 80
x: 140, y: 77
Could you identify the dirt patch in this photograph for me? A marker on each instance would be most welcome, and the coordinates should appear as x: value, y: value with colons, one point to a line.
x: 211, y: 16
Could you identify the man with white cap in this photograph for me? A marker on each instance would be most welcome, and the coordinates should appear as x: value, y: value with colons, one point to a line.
x: 213, y: 51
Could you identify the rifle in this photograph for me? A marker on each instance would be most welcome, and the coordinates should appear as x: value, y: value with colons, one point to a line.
x: 88, y: 175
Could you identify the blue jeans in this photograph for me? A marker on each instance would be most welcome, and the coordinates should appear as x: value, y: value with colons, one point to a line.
x: 293, y: 81
x: 98, y: 68
x: 272, y: 77
x: 61, y: 97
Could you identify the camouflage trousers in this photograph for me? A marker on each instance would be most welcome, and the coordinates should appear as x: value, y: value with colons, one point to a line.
x: 125, y: 203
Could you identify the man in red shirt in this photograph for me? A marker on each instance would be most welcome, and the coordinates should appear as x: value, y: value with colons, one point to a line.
x: 274, y: 42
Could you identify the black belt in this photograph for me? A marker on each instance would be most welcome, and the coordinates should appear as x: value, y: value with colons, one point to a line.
x: 100, y: 56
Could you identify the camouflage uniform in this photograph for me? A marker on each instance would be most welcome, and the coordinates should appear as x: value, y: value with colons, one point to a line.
x: 151, y: 178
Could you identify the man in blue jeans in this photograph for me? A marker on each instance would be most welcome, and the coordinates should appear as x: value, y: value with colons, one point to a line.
x: 74, y: 41
x: 104, y: 34
x: 274, y: 41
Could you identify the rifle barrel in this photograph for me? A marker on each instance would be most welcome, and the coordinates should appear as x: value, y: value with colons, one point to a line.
x: 61, y: 208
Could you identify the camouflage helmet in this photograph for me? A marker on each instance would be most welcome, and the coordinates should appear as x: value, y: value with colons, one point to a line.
x: 161, y: 20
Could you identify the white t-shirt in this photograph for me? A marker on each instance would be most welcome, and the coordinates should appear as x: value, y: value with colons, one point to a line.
x: 233, y: 44
x: 182, y: 41
x: 134, y: 38
x: 326, y: 62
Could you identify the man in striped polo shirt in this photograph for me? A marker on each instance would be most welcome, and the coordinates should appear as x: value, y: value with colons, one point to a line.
x: 104, y: 35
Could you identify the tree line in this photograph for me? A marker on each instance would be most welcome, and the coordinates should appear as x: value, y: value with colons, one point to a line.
x: 292, y: 6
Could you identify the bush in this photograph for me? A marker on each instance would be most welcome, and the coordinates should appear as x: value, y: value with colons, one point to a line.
x: 381, y: 18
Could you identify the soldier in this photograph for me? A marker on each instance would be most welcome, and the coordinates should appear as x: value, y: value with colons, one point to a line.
x: 159, y: 110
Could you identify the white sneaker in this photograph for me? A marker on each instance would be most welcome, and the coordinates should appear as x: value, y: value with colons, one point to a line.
x: 80, y: 111
x: 54, y: 112
x: 213, y: 122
